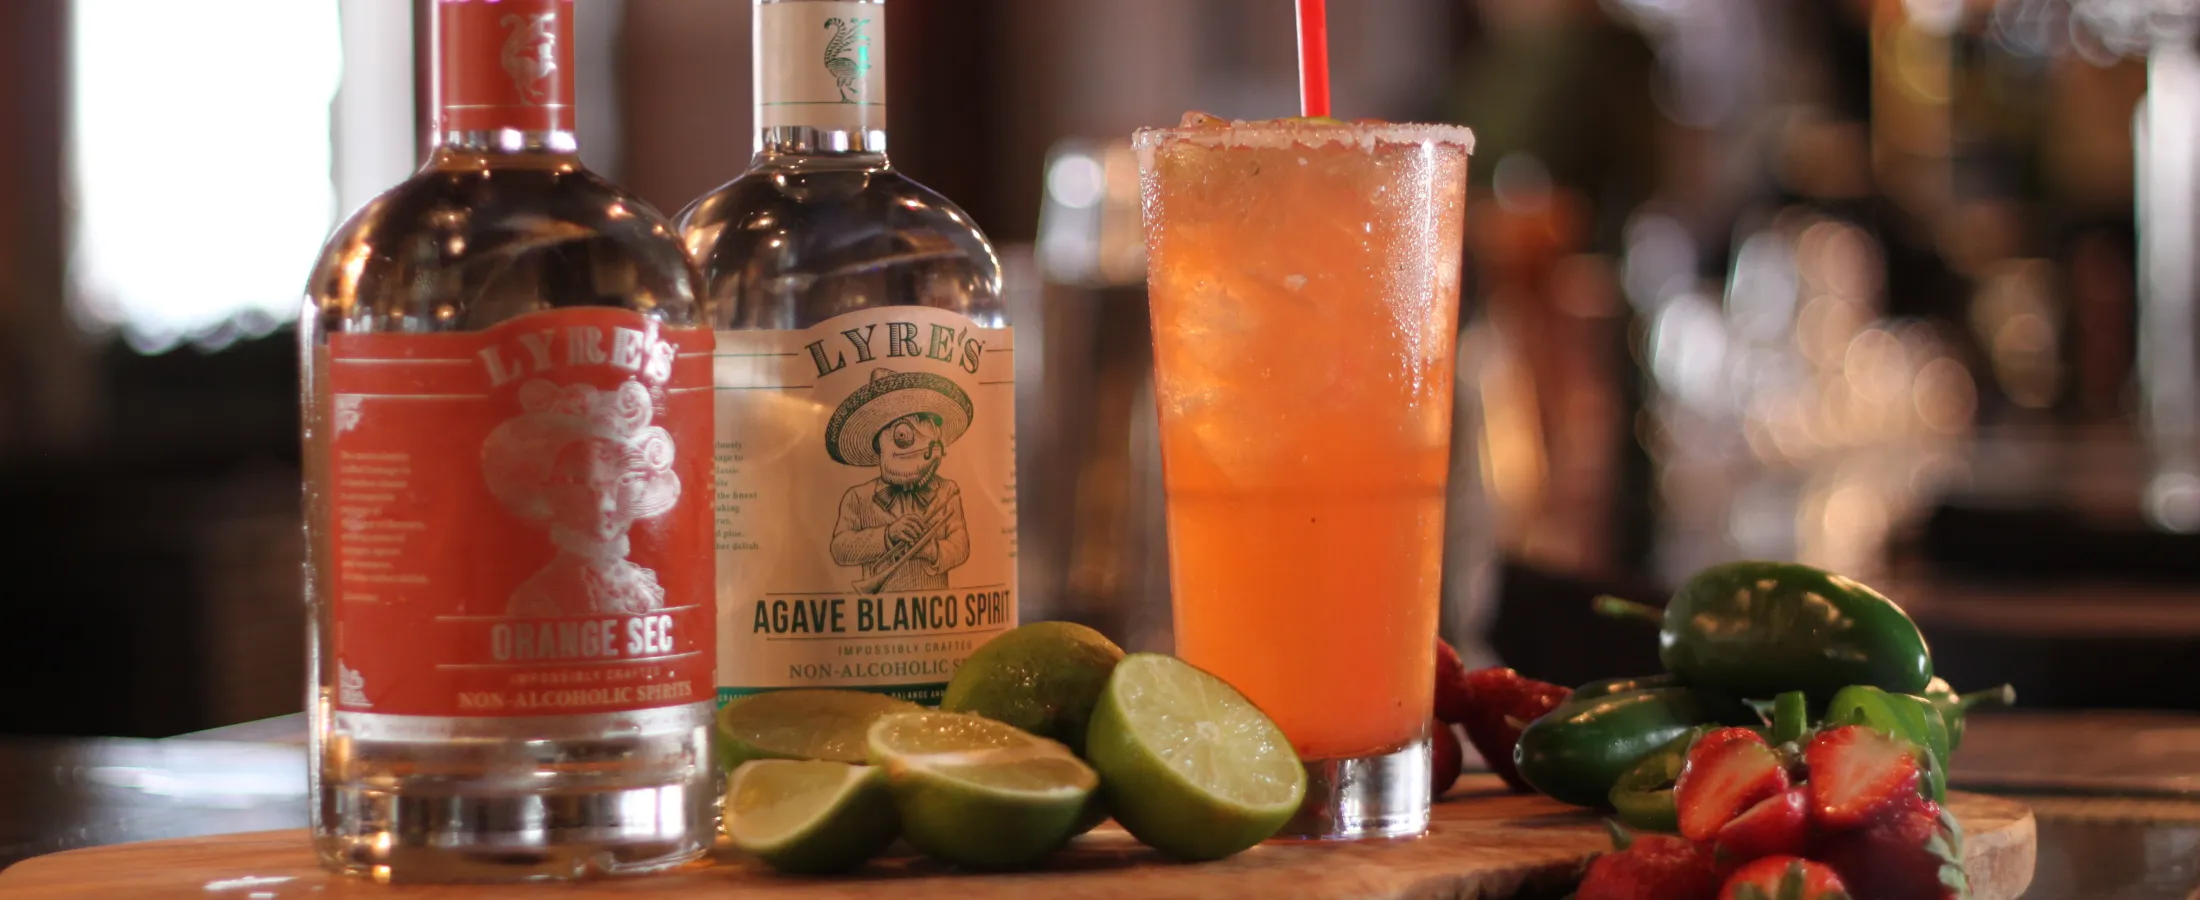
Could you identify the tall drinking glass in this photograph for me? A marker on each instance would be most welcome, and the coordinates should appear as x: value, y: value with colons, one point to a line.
x: 1305, y: 287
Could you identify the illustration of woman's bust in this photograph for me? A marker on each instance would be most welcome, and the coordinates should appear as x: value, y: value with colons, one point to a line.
x: 588, y: 465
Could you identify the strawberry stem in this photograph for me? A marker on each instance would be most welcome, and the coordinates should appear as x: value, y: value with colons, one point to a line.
x: 1618, y: 608
x: 1791, y: 884
x: 1790, y: 717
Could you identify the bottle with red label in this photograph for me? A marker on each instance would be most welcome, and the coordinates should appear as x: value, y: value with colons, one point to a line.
x: 507, y: 397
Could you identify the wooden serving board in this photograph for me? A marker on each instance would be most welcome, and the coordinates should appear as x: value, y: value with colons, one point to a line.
x: 1484, y: 843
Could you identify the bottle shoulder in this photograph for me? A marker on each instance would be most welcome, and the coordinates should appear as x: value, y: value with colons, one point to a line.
x: 788, y: 248
x: 457, y: 249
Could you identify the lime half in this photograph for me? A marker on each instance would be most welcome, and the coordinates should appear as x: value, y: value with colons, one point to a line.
x: 978, y: 793
x: 1192, y: 768
x: 1044, y: 678
x: 810, y: 817
x: 801, y: 724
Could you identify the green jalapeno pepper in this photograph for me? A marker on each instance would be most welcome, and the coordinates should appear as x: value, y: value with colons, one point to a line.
x: 1937, y: 736
x: 1576, y: 752
x: 1643, y: 797
x: 1954, y: 708
x: 1922, y: 717
x: 1611, y: 686
x: 1759, y: 629
x: 1865, y: 705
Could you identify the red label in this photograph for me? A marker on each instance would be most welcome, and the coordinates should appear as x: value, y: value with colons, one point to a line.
x: 521, y: 517
x: 505, y: 64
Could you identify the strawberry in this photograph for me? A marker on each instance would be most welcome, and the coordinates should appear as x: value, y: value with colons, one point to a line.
x: 1652, y: 867
x: 1444, y: 758
x: 1912, y: 850
x: 1855, y: 772
x: 1784, y: 878
x: 1725, y: 775
x: 1724, y: 736
x: 1499, y: 704
x: 1778, y: 825
x: 1452, y: 703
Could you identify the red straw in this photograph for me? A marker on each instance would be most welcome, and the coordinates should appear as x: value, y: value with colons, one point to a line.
x: 1313, y: 58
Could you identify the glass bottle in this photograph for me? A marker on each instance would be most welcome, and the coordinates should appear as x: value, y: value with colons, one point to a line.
x: 865, y: 436
x: 506, y: 397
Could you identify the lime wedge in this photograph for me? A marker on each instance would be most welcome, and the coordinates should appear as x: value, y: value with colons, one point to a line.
x: 979, y: 793
x: 801, y: 724
x: 810, y: 817
x: 1192, y: 768
x: 1043, y: 678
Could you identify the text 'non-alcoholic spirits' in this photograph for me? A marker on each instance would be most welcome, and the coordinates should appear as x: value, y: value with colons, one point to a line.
x: 507, y: 389
x: 865, y: 445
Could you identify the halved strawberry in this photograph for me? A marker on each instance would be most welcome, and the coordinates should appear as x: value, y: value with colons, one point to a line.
x: 1784, y: 878
x: 1855, y: 772
x: 1724, y: 736
x: 1652, y: 867
x: 1452, y: 702
x: 1912, y: 850
x: 1778, y: 825
x: 1444, y: 758
x: 1725, y: 775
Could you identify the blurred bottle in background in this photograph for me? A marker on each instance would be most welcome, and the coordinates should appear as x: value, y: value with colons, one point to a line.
x: 1097, y: 544
x: 1546, y: 343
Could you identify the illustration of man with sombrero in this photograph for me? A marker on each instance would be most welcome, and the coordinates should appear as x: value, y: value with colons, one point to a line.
x: 903, y: 529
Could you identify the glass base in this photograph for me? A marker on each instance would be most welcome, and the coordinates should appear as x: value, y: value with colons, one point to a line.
x: 1363, y: 798
x: 416, y: 799
x: 568, y: 836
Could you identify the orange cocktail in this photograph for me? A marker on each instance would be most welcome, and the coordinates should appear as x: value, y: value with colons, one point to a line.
x: 1305, y: 287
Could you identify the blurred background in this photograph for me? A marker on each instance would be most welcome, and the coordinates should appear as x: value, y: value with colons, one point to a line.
x: 1899, y: 287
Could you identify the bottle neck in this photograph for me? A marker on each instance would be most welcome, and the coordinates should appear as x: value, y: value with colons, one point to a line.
x: 504, y: 77
x: 820, y: 76
x: 804, y: 140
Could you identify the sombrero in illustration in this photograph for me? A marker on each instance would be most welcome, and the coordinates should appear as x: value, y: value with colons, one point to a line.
x: 852, y: 435
x: 903, y: 529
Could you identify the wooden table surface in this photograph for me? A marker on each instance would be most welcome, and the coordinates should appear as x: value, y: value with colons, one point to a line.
x: 1483, y: 842
x: 2111, y: 792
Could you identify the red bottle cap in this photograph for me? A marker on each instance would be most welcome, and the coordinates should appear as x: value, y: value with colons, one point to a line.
x: 504, y: 64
